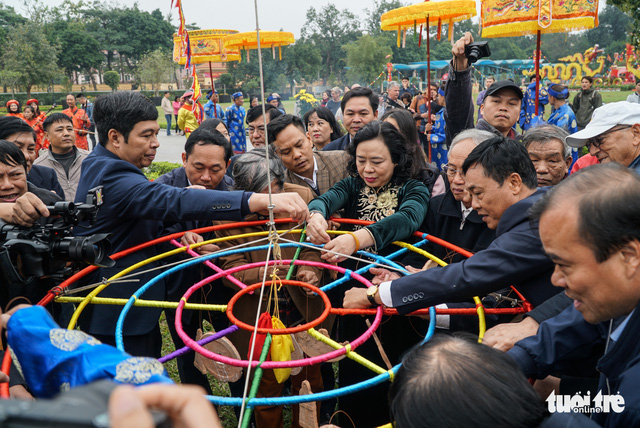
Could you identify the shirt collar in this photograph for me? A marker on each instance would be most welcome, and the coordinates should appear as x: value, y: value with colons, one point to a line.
x: 312, y: 183
x: 618, y: 331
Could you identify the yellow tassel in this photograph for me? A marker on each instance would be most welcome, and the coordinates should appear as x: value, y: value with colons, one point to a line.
x: 398, y: 41
x: 280, y: 52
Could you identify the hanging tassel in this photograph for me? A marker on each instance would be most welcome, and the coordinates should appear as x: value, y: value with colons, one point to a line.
x: 439, y: 35
x: 398, y: 41
x: 247, y: 51
x: 280, y: 52
x: 415, y: 32
x: 404, y: 38
x: 420, y: 38
x: 451, y: 30
x: 273, y: 51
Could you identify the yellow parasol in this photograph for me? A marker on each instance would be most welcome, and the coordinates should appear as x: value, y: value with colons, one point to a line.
x: 447, y: 11
x: 508, y: 18
x: 249, y: 41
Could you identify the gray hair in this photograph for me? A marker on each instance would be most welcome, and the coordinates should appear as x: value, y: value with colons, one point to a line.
x: 475, y: 135
x: 545, y: 133
x: 393, y: 85
x: 250, y: 171
x: 336, y: 89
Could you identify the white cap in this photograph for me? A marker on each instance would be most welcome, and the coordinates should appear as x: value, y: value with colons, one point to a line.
x: 604, y: 118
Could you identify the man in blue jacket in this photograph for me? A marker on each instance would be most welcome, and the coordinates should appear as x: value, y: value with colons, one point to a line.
x: 502, y: 182
x: 589, y: 228
x: 134, y: 210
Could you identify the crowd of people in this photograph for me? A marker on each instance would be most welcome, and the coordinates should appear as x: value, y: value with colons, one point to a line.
x: 529, y: 206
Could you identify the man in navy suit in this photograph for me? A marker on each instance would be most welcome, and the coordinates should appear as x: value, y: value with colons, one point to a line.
x: 359, y: 107
x: 134, y: 210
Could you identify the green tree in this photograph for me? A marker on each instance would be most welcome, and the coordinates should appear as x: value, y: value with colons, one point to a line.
x: 227, y: 81
x: 155, y: 68
x: 302, y: 61
x: 8, y: 20
x: 79, y: 50
x: 366, y: 57
x: 112, y: 78
x: 632, y: 8
x: 329, y: 29
x: 28, y: 53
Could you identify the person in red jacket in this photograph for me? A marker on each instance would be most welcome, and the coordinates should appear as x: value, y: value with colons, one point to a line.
x: 13, y: 108
x: 80, y: 120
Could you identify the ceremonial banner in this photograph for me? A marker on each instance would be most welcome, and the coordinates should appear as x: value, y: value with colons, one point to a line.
x: 508, y: 18
x: 205, y: 46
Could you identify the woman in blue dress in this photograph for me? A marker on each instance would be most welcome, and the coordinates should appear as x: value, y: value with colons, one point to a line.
x: 235, y: 122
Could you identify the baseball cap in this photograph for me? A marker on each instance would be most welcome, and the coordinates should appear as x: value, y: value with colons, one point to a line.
x: 187, y: 93
x: 604, y: 118
x: 503, y: 84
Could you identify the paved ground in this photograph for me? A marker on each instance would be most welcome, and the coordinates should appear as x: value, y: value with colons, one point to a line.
x: 171, y: 148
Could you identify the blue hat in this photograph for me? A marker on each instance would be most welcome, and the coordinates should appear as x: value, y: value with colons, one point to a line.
x: 209, y: 94
x: 563, y: 94
x: 440, y: 92
x: 236, y: 95
x: 271, y: 98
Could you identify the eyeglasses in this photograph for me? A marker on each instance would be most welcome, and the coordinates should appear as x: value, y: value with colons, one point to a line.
x: 260, y: 129
x: 599, y: 140
x: 451, y: 172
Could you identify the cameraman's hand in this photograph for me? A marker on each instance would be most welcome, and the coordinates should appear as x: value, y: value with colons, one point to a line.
x: 184, y: 404
x: 459, y: 59
x: 26, y: 210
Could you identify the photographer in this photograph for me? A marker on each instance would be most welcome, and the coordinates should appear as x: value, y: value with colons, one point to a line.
x: 501, y: 104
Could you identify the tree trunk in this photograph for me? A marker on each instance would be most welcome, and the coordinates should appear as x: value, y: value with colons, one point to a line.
x: 93, y: 80
x: 28, y: 87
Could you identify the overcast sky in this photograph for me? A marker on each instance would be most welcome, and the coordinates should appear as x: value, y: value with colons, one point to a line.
x: 274, y: 15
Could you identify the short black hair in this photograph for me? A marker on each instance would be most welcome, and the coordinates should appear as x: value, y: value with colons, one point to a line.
x: 256, y: 112
x: 395, y: 142
x: 589, y: 78
x: 326, y: 115
x: 10, y: 125
x: 80, y: 95
x: 500, y: 157
x: 204, y: 136
x: 121, y: 111
x: 212, y: 124
x: 360, y: 92
x: 277, y: 125
x: 55, y: 118
x: 608, y: 200
x: 454, y: 381
x: 71, y: 95
x: 166, y: 92
x: 11, y: 155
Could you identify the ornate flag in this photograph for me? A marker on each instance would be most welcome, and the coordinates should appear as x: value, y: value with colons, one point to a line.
x: 508, y: 18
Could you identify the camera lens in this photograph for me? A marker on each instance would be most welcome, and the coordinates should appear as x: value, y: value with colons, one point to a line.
x: 93, y: 249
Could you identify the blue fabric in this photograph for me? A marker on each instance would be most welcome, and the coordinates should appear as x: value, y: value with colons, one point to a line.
x: 515, y: 257
x: 236, y: 95
x: 528, y: 109
x: 167, y: 117
x: 439, y: 149
x: 564, y: 118
x: 562, y: 95
x: 340, y: 144
x: 235, y: 123
x: 635, y: 165
x: 55, y: 359
x: 209, y: 111
x: 565, y: 341
x: 45, y: 178
x: 133, y: 212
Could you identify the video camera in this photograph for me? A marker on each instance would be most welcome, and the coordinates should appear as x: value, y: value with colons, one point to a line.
x: 44, y: 250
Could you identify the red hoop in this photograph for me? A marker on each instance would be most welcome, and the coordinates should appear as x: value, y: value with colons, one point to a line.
x: 289, y: 330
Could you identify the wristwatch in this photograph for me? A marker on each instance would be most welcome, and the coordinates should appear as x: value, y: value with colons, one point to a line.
x: 371, y: 294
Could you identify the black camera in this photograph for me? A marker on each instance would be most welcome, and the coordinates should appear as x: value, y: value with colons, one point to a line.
x: 85, y: 406
x: 44, y: 250
x: 477, y: 50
